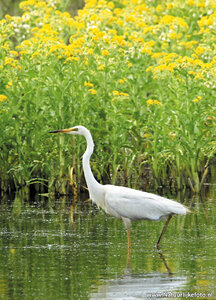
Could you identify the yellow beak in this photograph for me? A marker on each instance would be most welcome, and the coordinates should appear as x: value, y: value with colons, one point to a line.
x: 64, y: 130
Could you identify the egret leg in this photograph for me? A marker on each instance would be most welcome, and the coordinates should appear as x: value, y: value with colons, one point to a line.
x: 129, y: 248
x: 129, y: 241
x: 165, y: 226
x: 127, y: 225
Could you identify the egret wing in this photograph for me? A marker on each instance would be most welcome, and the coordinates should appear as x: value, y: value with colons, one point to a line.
x: 135, y: 205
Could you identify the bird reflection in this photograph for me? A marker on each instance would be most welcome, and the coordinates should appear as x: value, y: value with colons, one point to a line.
x: 142, y: 286
x: 137, y: 286
x: 164, y: 261
x: 128, y: 271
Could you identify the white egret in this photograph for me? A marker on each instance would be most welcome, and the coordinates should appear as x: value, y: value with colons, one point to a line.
x: 123, y: 202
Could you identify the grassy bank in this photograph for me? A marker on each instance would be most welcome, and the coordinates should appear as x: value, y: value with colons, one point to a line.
x: 139, y: 75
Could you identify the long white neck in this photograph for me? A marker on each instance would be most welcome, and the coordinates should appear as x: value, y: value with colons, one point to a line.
x: 89, y: 177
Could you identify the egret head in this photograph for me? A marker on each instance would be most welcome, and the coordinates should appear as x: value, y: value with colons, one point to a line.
x: 79, y: 130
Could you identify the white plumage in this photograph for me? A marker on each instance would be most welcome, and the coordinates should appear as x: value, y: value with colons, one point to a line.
x: 138, y: 205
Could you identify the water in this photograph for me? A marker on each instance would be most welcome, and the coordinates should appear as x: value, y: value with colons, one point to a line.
x: 51, y: 250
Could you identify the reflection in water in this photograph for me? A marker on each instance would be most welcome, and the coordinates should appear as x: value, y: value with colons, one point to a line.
x: 164, y: 262
x: 127, y: 271
x: 132, y: 286
x: 138, y: 286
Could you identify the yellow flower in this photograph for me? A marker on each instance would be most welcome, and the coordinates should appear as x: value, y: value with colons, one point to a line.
x: 130, y: 19
x: 3, y: 98
x: 191, y: 2
x: 91, y: 51
x: 110, y: 5
x: 99, y: 35
x: 94, y: 18
x: 199, y: 76
x: 199, y: 50
x: 41, y: 4
x: 152, y: 102
x: 168, y: 20
x: 146, y: 50
x: 197, y: 99
x: 124, y: 94
x: 89, y: 84
x: 121, y: 81
x: 101, y: 67
x: 73, y: 58
x: 201, y: 4
x: 24, y: 4
x: 191, y: 73
x: 112, y: 31
x: 14, y: 53
x: 149, y: 69
x: 119, y: 39
x: 116, y: 93
x: 94, y: 92
x: 8, y: 17
x: 9, y: 84
x: 159, y: 8
x: 170, y: 5
x: 10, y: 61
x: 23, y: 52
x: 35, y: 54
x: 120, y: 22
x: 105, y: 52
x: 173, y: 35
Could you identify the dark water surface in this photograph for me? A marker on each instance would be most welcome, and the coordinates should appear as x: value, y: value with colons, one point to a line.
x: 51, y: 250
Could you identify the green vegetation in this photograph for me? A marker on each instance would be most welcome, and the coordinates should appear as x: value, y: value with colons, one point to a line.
x: 140, y: 76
